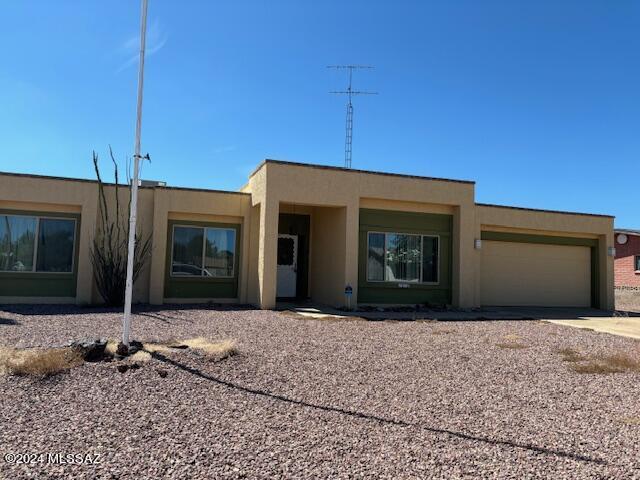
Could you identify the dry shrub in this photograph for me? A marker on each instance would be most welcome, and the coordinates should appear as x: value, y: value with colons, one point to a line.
x: 219, y: 350
x: 624, y: 361
x: 108, y: 253
x: 140, y: 356
x: 291, y: 313
x: 512, y: 337
x: 616, y: 363
x: 158, y: 347
x: 111, y: 347
x: 570, y: 355
x: 442, y: 331
x: 38, y: 362
x: 321, y: 317
x: 511, y: 345
x: 630, y: 420
x: 594, y: 367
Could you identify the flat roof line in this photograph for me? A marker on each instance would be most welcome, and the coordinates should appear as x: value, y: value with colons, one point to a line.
x: 110, y: 184
x: 355, y: 170
x: 52, y: 177
x: 544, y: 210
x: 206, y: 190
x: 629, y: 231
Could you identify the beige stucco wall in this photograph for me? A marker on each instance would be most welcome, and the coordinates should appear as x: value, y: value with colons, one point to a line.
x: 155, y: 207
x: 327, y: 254
x: 253, y: 290
x: 541, y: 222
x: 276, y: 183
x: 196, y: 205
x: 333, y: 199
x: 384, y: 204
x: 279, y: 185
x: 54, y: 195
x: 70, y: 196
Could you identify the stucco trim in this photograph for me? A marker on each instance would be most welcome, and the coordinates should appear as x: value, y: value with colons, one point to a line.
x: 561, y: 212
x: 124, y: 185
x: 354, y: 170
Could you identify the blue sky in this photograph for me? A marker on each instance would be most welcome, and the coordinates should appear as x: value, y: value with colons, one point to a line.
x: 537, y: 101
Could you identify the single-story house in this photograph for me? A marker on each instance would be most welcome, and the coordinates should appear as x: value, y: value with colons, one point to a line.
x: 309, y: 232
x: 627, y: 259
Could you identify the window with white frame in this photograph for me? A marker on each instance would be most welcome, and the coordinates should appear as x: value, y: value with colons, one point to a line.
x: 402, y: 257
x: 203, y: 252
x: 637, y: 263
x: 36, y: 244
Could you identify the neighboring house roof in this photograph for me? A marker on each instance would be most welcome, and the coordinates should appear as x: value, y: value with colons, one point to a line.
x: 627, y: 231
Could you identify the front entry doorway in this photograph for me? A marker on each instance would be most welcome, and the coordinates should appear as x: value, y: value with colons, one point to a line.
x: 287, y: 266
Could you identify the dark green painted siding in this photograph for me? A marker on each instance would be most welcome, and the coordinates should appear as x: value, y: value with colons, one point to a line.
x: 544, y: 239
x: 35, y: 284
x: 201, y: 287
x: 405, y: 222
x: 27, y: 284
x: 553, y: 240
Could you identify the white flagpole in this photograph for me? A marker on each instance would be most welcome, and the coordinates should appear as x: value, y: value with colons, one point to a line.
x: 126, y: 322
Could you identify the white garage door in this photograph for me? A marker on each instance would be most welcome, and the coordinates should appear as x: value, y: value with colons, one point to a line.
x: 528, y: 274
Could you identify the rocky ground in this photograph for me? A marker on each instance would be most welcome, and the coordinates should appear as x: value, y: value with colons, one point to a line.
x: 323, y: 399
x: 628, y: 300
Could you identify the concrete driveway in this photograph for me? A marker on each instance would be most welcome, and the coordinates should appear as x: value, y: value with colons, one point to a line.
x: 626, y: 324
x: 623, y: 326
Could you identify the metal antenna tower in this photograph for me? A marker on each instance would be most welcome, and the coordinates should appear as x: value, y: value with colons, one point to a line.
x: 349, y: 92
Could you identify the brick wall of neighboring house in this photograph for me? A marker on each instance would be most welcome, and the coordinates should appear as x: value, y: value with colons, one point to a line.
x: 625, y: 272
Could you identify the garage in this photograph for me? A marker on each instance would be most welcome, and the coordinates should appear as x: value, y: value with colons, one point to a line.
x: 535, y: 274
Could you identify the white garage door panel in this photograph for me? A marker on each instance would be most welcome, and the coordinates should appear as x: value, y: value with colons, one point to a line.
x: 528, y: 274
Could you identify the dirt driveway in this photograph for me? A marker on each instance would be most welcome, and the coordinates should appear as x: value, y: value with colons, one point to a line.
x: 326, y: 399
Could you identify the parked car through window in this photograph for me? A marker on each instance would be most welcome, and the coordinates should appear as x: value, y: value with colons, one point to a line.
x: 36, y: 244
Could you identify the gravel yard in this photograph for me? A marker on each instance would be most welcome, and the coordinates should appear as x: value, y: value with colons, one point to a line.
x: 323, y: 399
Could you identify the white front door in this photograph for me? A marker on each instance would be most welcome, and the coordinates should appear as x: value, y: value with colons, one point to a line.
x: 287, y: 265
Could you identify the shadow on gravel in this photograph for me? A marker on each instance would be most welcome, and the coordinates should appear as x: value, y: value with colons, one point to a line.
x: 8, y: 321
x: 138, y: 309
x: 365, y: 416
x: 163, y: 317
x: 198, y: 373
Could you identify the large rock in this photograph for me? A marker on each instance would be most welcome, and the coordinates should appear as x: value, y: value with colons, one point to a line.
x: 123, y: 351
x: 91, y: 350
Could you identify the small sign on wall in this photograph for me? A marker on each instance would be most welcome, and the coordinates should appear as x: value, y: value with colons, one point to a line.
x: 348, y: 292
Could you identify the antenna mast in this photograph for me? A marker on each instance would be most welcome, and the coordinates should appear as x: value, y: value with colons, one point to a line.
x: 128, y: 293
x: 349, y: 92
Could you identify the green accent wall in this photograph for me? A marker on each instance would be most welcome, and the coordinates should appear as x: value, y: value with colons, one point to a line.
x: 42, y: 284
x: 296, y: 224
x: 405, y: 222
x: 201, y: 287
x: 592, y: 243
